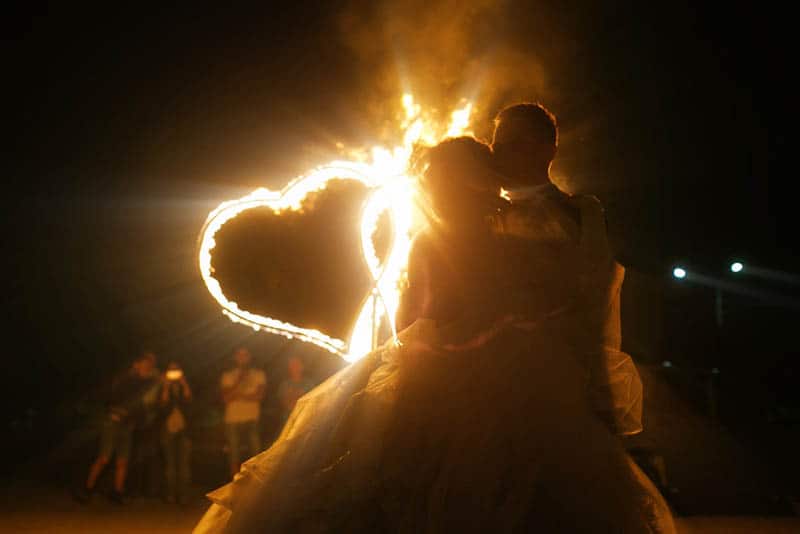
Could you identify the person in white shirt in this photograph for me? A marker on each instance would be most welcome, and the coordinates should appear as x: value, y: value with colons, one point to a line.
x: 242, y: 389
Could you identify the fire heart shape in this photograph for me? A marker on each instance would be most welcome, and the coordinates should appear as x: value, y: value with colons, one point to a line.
x: 372, y: 196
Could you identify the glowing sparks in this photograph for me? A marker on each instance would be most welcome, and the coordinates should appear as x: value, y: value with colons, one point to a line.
x: 385, y: 172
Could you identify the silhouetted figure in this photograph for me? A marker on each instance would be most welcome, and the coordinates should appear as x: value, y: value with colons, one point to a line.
x: 524, y: 145
x: 145, y: 476
x: 295, y: 385
x: 476, y: 421
x: 175, y: 399
x: 243, y: 389
x: 126, y: 403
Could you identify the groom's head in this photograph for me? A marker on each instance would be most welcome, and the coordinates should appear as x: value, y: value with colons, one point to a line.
x: 524, y: 143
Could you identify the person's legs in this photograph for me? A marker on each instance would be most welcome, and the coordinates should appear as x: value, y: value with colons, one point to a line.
x: 232, y: 435
x: 108, y: 436
x: 254, y: 438
x: 169, y: 445
x: 135, y: 488
x: 94, y: 472
x: 124, y: 437
x: 184, y: 465
x: 151, y: 468
x: 120, y: 472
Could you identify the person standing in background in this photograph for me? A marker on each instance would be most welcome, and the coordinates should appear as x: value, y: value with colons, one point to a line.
x: 242, y: 389
x: 146, y: 472
x: 175, y: 398
x: 295, y: 385
x: 124, y: 407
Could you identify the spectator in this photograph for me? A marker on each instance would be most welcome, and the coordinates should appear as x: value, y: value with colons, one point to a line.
x: 175, y: 443
x: 123, y: 408
x: 243, y: 389
x: 146, y: 471
x: 295, y: 385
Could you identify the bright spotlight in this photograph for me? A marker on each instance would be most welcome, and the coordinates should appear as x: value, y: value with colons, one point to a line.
x: 679, y: 272
x: 736, y: 267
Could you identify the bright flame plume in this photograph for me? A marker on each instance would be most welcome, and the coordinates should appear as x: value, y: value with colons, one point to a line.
x: 392, y: 191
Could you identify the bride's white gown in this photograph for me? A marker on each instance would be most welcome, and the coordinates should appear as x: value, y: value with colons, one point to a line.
x: 487, y: 422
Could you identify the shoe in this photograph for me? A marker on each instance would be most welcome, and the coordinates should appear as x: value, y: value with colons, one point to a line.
x: 117, y: 498
x: 83, y: 495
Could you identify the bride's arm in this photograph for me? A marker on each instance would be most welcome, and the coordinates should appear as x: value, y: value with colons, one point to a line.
x: 415, y: 297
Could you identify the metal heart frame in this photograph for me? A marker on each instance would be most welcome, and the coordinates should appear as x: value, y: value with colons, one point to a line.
x: 388, y: 194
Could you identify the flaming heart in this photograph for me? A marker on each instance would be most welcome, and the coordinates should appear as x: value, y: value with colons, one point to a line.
x: 390, y: 193
x: 383, y: 197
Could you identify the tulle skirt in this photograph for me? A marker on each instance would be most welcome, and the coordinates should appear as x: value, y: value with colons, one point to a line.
x: 416, y: 438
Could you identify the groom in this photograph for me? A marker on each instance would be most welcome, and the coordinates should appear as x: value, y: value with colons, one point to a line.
x: 524, y: 146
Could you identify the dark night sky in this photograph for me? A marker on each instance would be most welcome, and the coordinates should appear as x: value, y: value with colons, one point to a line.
x: 128, y: 125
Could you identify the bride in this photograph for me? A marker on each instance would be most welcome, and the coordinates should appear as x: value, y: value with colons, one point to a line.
x: 476, y: 418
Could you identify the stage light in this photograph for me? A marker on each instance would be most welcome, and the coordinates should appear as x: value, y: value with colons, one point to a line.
x: 736, y: 267
x: 679, y: 272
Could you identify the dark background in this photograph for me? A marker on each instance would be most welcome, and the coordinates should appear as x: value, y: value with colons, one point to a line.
x: 126, y: 126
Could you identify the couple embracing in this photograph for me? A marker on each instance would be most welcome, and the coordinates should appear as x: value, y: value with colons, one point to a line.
x: 499, y: 406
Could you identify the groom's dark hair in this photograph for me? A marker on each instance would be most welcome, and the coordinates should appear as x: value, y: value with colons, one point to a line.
x: 526, y: 119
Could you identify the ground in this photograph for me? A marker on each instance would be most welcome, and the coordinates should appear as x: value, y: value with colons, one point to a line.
x: 717, y: 482
x: 33, y: 508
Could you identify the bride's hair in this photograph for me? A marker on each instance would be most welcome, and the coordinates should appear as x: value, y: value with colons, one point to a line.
x: 458, y: 179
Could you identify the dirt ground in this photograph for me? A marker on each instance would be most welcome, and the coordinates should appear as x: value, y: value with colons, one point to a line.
x: 51, y: 512
x: 32, y: 508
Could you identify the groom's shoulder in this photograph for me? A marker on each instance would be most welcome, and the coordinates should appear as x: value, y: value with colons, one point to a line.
x: 583, y: 200
x: 568, y: 203
x: 540, y: 219
x: 586, y: 206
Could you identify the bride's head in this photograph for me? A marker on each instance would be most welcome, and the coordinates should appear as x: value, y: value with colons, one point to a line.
x: 459, y: 183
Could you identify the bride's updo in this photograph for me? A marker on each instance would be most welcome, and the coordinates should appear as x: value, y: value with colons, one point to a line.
x: 459, y: 182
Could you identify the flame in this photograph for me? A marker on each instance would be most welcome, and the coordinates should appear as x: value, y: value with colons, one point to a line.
x: 386, y: 173
x: 459, y: 121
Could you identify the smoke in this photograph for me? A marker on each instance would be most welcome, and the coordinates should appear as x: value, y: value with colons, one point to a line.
x: 581, y: 61
x: 492, y: 53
